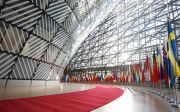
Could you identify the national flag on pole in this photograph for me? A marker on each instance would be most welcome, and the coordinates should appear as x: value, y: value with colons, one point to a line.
x: 121, y: 75
x: 126, y: 74
x: 161, y: 62
x: 129, y: 74
x: 172, y: 53
x: 155, y: 76
x: 147, y: 68
x: 134, y: 72
x: 142, y: 72
x: 151, y: 65
x: 165, y: 61
x: 173, y: 67
x: 158, y: 62
x: 106, y: 76
x: 137, y: 73
x: 112, y: 76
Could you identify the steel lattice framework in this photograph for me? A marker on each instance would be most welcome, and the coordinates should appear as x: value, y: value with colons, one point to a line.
x: 36, y: 36
x: 133, y: 29
x: 39, y: 37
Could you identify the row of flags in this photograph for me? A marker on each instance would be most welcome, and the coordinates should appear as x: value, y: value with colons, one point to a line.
x: 160, y: 64
x: 92, y: 77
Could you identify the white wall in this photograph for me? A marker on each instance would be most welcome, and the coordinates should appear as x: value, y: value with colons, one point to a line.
x: 26, y: 83
x: 2, y: 82
x: 18, y: 83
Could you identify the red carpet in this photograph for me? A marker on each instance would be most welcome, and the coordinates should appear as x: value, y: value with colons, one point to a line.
x: 82, y: 101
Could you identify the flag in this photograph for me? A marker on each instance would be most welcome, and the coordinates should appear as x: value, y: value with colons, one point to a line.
x: 125, y: 74
x: 121, y: 75
x: 137, y: 73
x: 158, y: 63
x: 106, y: 76
x: 142, y: 72
x: 173, y: 68
x: 129, y: 74
x: 165, y: 61
x: 172, y: 53
x: 151, y: 65
x: 155, y: 68
x: 134, y: 72
x: 95, y: 78
x: 147, y: 68
x: 161, y: 62
x: 129, y: 78
x: 112, y: 76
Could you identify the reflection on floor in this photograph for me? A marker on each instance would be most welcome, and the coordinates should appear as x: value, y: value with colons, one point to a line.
x: 22, y: 92
x: 137, y: 101
x: 131, y: 101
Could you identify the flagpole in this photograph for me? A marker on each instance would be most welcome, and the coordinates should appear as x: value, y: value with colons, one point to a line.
x: 174, y: 91
x: 171, y: 96
x: 164, y: 93
x: 176, y: 104
x: 169, y: 90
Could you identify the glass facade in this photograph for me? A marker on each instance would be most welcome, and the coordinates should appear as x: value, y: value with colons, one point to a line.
x: 131, y: 31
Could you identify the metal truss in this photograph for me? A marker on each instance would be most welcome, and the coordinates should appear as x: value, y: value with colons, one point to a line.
x: 130, y: 32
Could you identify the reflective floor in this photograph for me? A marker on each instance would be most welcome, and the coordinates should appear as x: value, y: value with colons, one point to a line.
x: 137, y: 101
x: 132, y: 100
x: 22, y: 92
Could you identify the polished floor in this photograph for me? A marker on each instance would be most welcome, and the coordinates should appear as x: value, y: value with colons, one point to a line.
x: 23, y: 92
x: 133, y: 100
x: 137, y: 101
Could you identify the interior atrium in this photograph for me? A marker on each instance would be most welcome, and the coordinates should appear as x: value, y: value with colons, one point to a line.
x: 50, y: 47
